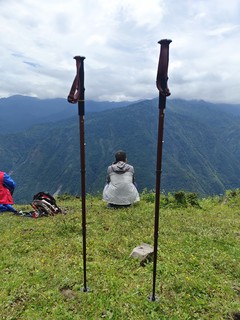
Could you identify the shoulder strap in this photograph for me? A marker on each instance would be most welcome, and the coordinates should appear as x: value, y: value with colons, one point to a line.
x: 1, y: 177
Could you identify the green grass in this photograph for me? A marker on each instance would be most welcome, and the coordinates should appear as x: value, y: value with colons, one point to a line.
x: 198, y: 269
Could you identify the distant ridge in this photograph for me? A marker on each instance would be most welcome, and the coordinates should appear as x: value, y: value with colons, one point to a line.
x: 23, y: 112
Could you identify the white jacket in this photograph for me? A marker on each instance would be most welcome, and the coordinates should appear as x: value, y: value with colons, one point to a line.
x: 120, y: 189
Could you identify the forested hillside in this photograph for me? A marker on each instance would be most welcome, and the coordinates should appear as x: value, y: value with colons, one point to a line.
x: 201, y: 151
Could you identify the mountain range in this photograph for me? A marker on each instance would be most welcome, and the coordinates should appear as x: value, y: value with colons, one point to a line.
x: 39, y: 145
x: 22, y: 112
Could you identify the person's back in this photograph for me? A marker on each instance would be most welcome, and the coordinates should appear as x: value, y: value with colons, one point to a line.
x: 120, y: 189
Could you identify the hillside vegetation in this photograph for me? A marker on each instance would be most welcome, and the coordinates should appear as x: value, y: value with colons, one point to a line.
x: 201, y: 151
x: 198, y: 267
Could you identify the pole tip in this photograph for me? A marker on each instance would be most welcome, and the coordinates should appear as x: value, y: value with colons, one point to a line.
x: 79, y: 58
x: 165, y: 41
x: 153, y: 298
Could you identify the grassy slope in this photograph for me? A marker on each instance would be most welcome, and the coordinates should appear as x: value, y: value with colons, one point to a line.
x: 198, y: 268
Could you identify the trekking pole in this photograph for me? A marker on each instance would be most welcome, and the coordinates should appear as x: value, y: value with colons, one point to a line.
x: 77, y: 95
x: 162, y: 78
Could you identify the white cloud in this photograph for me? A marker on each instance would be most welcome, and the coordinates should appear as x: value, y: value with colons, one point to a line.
x: 119, y: 40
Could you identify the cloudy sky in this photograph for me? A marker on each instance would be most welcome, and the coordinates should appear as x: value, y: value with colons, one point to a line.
x: 119, y: 39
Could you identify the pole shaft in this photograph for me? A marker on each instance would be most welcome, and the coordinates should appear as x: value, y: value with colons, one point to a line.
x: 83, y: 196
x: 162, y: 101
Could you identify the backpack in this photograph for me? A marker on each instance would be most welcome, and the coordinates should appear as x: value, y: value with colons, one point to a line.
x: 44, y: 204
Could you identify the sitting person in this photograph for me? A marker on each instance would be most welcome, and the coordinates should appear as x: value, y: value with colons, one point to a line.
x: 120, y: 190
x: 7, y: 186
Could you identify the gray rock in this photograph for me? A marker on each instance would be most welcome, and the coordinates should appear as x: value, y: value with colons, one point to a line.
x: 144, y: 253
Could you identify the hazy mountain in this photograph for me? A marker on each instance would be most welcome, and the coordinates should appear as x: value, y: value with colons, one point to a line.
x: 201, y: 151
x: 18, y: 113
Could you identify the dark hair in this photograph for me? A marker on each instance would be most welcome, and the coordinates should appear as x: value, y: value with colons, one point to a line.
x: 120, y: 156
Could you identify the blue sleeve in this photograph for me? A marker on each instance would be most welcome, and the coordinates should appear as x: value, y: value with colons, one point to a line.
x: 8, y: 182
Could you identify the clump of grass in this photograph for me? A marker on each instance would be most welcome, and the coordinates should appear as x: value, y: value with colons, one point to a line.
x: 180, y: 198
x: 197, y: 272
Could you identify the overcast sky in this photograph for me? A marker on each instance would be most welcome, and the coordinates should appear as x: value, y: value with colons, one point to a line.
x: 119, y: 39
